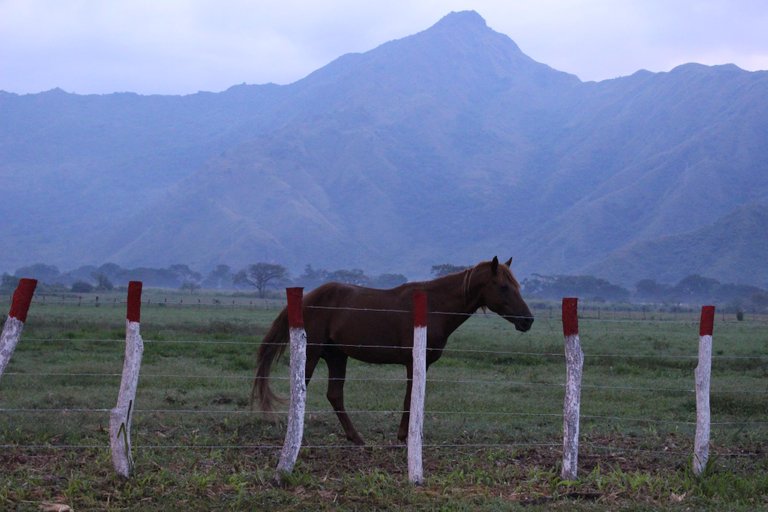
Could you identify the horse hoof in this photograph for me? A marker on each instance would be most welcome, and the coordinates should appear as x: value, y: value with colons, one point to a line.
x: 357, y: 440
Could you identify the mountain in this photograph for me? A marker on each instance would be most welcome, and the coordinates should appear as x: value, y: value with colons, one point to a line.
x: 450, y: 145
x: 671, y: 153
x: 734, y: 244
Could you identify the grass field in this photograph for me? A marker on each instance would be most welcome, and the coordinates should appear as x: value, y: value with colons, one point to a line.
x: 493, y: 426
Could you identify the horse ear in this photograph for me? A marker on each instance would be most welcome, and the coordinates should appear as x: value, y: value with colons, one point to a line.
x: 509, y: 262
x: 495, y: 264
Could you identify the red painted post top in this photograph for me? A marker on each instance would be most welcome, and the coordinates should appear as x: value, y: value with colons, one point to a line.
x: 22, y: 298
x: 295, y: 315
x: 134, y: 301
x: 570, y: 316
x: 419, y: 308
x: 707, y: 324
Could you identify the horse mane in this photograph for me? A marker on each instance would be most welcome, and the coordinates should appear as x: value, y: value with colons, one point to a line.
x: 468, y: 273
x: 466, y: 282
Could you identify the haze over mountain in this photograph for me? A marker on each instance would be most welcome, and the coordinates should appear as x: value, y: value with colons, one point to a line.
x: 450, y: 145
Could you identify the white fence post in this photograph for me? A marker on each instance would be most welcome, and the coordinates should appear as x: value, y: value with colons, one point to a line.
x: 120, y: 417
x: 574, y: 359
x: 14, y: 324
x: 298, y: 358
x: 703, y: 373
x: 418, y: 388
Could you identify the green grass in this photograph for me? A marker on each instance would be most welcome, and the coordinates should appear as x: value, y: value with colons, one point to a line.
x: 493, y: 426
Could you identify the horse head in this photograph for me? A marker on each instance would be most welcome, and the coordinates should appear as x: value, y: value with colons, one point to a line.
x: 500, y: 293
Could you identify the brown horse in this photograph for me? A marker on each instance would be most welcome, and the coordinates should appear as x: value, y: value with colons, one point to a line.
x: 376, y: 326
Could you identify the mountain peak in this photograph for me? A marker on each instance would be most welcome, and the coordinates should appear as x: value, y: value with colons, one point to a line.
x: 455, y: 19
x: 469, y: 29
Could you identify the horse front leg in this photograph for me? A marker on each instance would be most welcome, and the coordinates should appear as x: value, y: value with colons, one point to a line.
x: 337, y: 371
x: 402, y: 432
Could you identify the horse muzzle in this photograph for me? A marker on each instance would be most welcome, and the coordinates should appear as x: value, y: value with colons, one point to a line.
x: 523, y: 324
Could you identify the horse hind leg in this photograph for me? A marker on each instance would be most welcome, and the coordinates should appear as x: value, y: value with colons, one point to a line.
x: 402, y: 432
x: 313, y: 357
x: 337, y: 371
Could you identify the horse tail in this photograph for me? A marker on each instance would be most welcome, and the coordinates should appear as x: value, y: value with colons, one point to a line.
x: 272, y: 347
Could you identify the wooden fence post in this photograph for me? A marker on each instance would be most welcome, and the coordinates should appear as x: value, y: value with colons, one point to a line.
x: 574, y: 359
x: 120, y: 417
x: 418, y: 388
x: 702, y: 376
x: 14, y: 324
x: 298, y: 362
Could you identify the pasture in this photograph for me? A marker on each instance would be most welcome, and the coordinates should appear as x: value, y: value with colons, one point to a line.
x: 492, y: 429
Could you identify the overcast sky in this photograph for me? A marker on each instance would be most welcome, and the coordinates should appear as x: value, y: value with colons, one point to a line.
x: 181, y: 47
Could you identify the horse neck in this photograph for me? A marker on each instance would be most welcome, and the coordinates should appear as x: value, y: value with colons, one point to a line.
x: 454, y: 296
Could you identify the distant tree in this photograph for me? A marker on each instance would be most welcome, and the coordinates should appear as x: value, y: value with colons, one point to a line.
x: 8, y: 282
x: 695, y: 287
x: 48, y: 274
x: 190, y: 286
x: 185, y: 274
x: 354, y: 276
x: 446, y: 268
x: 588, y: 287
x: 650, y: 290
x: 158, y: 277
x: 112, y: 270
x: 760, y: 300
x: 260, y: 275
x: 83, y: 273
x: 218, y: 278
x: 81, y: 287
x: 729, y: 291
x: 103, y: 284
x: 388, y: 280
x: 312, y: 277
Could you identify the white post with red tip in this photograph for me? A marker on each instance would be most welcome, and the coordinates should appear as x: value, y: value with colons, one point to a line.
x: 702, y: 377
x: 298, y: 362
x: 14, y: 324
x: 574, y: 359
x: 120, y: 417
x: 418, y: 388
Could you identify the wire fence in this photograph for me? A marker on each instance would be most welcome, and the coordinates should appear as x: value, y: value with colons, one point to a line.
x: 545, y: 309
x: 683, y: 318
x: 433, y: 380
x: 433, y: 412
x: 446, y: 350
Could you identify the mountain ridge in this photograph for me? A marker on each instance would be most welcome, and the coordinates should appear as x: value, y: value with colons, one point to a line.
x: 450, y: 144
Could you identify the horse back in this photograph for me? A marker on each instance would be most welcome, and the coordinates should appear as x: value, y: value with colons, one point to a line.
x: 360, y: 321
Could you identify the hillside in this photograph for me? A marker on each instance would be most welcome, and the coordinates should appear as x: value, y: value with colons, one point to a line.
x: 448, y: 145
x: 727, y: 249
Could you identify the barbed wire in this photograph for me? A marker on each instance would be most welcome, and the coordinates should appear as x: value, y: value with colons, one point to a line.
x: 388, y: 379
x: 677, y: 453
x: 445, y: 350
x: 427, y: 412
x: 631, y: 314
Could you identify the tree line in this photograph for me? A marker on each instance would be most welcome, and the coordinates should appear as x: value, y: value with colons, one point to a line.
x: 693, y: 289
x: 265, y: 278
x: 260, y: 277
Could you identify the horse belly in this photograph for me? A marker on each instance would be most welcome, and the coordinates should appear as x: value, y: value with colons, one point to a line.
x: 379, y: 344
x: 380, y: 354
